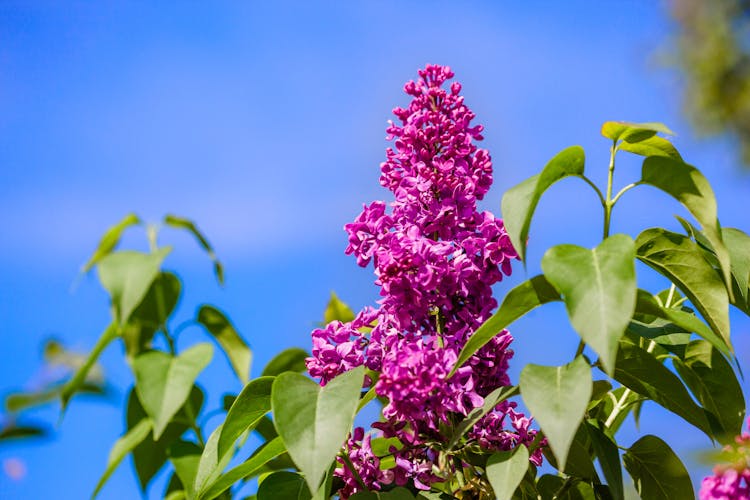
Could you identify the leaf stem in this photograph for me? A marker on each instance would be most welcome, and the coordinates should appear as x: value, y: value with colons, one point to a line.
x: 595, y: 188
x: 621, y: 404
x: 608, y: 203
x: 625, y: 190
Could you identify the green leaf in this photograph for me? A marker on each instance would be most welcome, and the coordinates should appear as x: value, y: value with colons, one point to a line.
x: 580, y: 461
x: 127, y: 276
x: 686, y: 184
x: 609, y: 459
x: 519, y: 202
x: 653, y: 146
x: 121, y: 448
x: 336, y: 310
x: 557, y: 488
x: 642, y: 373
x: 236, y: 350
x: 150, y: 455
x: 633, y: 132
x: 15, y: 431
x: 314, y: 421
x: 185, y: 456
x: 211, y: 464
x: 151, y: 314
x: 188, y: 225
x: 713, y: 382
x: 79, y: 378
x: 284, y: 485
x: 599, y: 290
x: 270, y: 450
x: 163, y: 382
x: 288, y: 360
x: 604, y: 408
x: 557, y: 396
x: 679, y: 259
x: 505, y: 470
x: 646, y: 304
x: 656, y: 470
x: 110, y: 240
x: 490, y: 402
x: 520, y: 300
x: 738, y: 245
x: 250, y: 406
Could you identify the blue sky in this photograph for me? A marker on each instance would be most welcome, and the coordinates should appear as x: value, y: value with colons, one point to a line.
x: 264, y: 122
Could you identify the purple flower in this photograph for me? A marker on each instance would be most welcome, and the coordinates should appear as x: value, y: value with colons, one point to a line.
x: 730, y: 481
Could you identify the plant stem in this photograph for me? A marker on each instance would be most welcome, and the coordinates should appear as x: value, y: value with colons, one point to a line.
x: 608, y: 203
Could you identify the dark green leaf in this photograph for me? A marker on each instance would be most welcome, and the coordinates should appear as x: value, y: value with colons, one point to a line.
x: 519, y: 202
x: 633, y: 132
x: 713, y: 382
x: 642, y: 373
x: 164, y: 382
x: 151, y: 314
x: 288, y: 360
x: 656, y: 470
x: 121, y: 448
x: 686, y: 184
x: 249, y: 467
x: 557, y: 488
x: 284, y: 485
x: 679, y: 259
x: 599, y: 290
x: 520, y: 300
x: 314, y: 421
x: 336, y: 310
x: 236, y: 350
x: 110, y: 240
x: 580, y: 462
x: 609, y: 459
x: 127, y: 276
x: 188, y: 225
x: 15, y: 431
x: 557, y: 396
x: 250, y: 406
x: 505, y: 470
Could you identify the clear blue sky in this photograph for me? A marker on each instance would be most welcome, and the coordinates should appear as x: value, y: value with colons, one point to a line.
x: 265, y: 123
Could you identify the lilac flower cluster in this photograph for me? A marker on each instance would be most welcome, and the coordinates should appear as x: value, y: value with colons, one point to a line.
x: 730, y: 482
x: 436, y: 258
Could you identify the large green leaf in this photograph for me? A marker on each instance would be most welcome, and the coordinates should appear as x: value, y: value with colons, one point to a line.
x: 185, y: 456
x: 713, y: 382
x: 681, y: 260
x: 642, y: 373
x: 288, y: 360
x: 599, y: 290
x: 633, y: 132
x: 284, y: 485
x: 79, y: 378
x: 686, y: 184
x: 211, y: 465
x: 249, y: 467
x: 520, y: 300
x: 151, y: 454
x: 314, y: 421
x: 557, y: 396
x: 237, y: 351
x: 151, y: 314
x: 250, y: 406
x: 163, y: 382
x: 121, y: 448
x: 337, y: 310
x: 505, y: 470
x: 606, y: 451
x: 110, y: 240
x: 656, y: 471
x: 519, y: 202
x: 127, y: 276
x: 188, y: 225
x: 738, y: 245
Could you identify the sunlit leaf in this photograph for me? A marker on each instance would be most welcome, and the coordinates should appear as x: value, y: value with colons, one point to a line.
x: 314, y: 421
x: 519, y: 202
x: 599, y: 290
x: 164, y: 382
x: 110, y: 240
x: 188, y: 225
x: 633, y: 132
x: 653, y: 146
x: 250, y: 406
x: 236, y: 349
x: 557, y: 396
x: 288, y: 360
x: 337, y: 310
x: 520, y: 300
x: 185, y: 456
x: 738, y: 245
x: 121, y: 448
